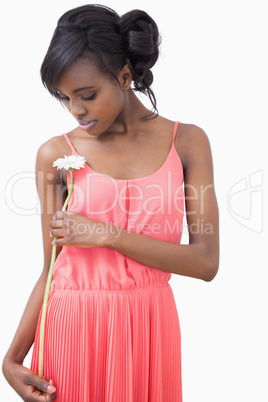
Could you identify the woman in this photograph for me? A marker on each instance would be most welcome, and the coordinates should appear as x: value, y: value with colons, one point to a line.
x: 112, y: 330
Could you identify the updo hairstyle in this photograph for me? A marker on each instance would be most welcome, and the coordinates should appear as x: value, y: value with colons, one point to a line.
x: 98, y: 33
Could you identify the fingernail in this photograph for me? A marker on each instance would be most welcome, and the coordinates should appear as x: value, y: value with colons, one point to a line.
x: 50, y: 388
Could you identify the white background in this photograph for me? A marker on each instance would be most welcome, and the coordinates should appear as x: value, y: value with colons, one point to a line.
x: 212, y: 72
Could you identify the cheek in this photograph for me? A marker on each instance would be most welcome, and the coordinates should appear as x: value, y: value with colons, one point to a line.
x: 67, y: 106
x: 111, y: 105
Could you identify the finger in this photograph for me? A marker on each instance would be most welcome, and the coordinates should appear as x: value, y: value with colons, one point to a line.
x: 62, y: 214
x: 51, y: 396
x: 69, y: 213
x: 58, y: 215
x: 56, y: 224
x: 58, y: 242
x: 57, y: 233
x: 41, y: 384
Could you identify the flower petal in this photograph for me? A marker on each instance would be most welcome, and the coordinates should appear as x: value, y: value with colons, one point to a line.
x: 70, y: 162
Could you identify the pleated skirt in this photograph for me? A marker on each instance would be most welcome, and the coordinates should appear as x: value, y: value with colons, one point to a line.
x: 112, y: 345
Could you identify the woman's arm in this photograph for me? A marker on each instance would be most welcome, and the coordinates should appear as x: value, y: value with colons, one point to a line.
x: 199, y: 259
x: 51, y: 195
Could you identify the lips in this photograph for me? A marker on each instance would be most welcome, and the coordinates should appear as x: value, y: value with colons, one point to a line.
x: 86, y: 124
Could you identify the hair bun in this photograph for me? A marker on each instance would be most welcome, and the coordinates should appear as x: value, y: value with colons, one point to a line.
x: 140, y: 33
x: 142, y: 41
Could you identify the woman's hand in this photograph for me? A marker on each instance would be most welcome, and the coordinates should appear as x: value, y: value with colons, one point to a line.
x: 27, y: 384
x: 73, y: 229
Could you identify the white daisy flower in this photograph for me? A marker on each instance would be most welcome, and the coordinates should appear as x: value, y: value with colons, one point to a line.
x: 70, y: 162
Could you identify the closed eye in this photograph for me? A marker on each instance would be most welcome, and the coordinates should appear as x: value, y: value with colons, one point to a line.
x: 93, y: 96
x: 66, y: 98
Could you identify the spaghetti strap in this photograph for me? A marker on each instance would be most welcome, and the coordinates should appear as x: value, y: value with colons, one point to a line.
x: 69, y: 143
x: 175, y: 130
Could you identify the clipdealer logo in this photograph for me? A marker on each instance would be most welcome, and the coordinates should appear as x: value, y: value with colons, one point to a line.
x: 245, y: 201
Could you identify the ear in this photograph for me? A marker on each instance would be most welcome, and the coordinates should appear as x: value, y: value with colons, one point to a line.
x: 125, y: 77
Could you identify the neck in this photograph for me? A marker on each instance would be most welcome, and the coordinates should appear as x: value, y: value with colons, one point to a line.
x: 132, y: 114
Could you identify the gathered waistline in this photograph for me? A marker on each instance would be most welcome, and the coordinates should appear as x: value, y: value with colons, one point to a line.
x: 110, y: 291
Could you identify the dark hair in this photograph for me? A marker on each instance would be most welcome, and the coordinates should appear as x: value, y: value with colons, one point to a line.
x: 99, y: 33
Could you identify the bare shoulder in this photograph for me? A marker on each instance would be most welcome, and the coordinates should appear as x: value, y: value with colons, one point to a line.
x: 52, y: 149
x: 192, y: 145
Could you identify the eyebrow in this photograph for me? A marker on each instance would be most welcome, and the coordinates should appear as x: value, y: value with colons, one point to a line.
x: 78, y: 89
x: 81, y: 89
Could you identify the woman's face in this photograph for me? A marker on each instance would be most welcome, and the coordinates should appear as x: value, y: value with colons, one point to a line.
x: 95, y: 99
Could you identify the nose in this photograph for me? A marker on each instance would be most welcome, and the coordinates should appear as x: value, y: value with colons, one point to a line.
x: 77, y: 110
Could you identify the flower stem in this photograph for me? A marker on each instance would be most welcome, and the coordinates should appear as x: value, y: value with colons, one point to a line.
x: 70, y: 191
x: 43, y: 318
x: 49, y: 279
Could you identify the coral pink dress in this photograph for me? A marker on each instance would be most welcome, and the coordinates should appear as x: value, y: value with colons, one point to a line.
x: 112, y: 331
